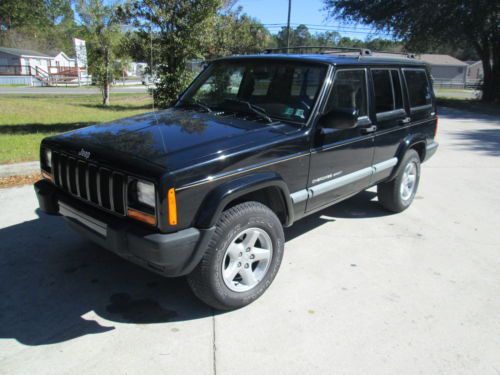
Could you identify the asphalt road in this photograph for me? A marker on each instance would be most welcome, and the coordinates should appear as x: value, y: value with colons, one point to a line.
x: 360, y: 291
x: 68, y: 90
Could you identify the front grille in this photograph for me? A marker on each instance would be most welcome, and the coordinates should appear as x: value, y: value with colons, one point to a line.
x: 98, y: 185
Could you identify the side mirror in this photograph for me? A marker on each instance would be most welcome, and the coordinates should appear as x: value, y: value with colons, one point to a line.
x: 340, y: 118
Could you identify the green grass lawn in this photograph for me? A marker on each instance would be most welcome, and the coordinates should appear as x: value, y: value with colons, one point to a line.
x: 26, y: 119
x: 14, y: 85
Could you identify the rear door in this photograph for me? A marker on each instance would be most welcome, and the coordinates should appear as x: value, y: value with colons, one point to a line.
x: 392, y: 119
x: 341, y: 160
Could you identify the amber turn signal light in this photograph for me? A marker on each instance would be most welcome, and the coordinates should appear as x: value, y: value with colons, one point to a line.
x: 141, y: 216
x: 172, y: 207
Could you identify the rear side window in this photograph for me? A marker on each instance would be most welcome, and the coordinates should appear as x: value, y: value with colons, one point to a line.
x: 349, y: 91
x: 387, y: 86
x: 398, y: 93
x: 419, y: 89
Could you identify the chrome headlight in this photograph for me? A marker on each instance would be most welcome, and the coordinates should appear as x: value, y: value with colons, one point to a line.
x: 146, y: 193
x: 48, y: 157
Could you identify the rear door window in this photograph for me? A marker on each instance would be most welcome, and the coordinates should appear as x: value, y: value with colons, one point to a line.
x: 387, y: 86
x: 419, y: 88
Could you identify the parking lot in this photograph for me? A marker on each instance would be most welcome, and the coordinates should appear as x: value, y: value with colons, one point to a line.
x: 360, y: 291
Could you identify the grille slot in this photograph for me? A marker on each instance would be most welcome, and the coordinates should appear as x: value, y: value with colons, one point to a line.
x: 97, y: 185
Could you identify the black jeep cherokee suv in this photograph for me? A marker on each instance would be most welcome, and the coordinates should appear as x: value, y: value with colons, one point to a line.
x: 255, y: 143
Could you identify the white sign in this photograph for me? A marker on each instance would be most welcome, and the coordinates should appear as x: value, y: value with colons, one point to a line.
x: 80, y: 53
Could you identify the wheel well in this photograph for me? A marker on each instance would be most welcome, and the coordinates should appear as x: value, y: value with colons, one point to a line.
x: 271, y: 197
x: 420, y: 148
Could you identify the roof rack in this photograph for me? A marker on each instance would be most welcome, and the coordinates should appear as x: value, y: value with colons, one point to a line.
x: 410, y: 55
x: 326, y: 50
x: 321, y: 49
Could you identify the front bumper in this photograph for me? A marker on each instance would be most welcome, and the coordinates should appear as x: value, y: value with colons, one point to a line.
x: 172, y: 254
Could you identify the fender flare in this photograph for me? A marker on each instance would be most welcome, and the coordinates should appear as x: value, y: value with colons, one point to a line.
x: 215, y: 201
x: 409, y: 142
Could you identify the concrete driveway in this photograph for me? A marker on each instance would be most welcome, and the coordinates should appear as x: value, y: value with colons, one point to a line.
x: 360, y: 291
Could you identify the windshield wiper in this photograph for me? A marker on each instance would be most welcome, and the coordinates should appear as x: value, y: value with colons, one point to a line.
x: 197, y: 103
x: 252, y: 107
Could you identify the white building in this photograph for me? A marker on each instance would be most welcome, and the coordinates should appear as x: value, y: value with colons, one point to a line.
x: 19, y: 66
x: 61, y: 60
x: 20, y: 62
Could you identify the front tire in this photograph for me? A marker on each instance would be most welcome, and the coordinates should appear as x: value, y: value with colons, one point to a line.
x: 242, y: 258
x: 397, y: 195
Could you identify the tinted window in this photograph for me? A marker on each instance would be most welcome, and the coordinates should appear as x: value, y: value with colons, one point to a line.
x: 349, y: 91
x: 285, y: 90
x: 382, y: 84
x: 387, y: 86
x: 396, y: 82
x: 419, y: 89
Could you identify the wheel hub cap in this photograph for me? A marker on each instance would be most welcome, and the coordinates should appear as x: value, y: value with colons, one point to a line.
x: 247, y: 259
x: 409, y: 181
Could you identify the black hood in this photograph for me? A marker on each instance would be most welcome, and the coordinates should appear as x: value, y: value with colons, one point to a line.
x: 175, y: 136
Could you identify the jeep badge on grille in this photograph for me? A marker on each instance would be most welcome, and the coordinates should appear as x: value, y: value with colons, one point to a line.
x: 85, y: 154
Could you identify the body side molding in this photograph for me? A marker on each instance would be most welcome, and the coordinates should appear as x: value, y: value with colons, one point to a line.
x: 302, y: 195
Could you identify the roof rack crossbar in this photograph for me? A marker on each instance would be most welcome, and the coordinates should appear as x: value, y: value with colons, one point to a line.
x: 321, y: 49
x: 410, y: 55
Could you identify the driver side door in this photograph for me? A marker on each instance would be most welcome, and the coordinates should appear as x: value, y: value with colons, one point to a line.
x: 341, y: 159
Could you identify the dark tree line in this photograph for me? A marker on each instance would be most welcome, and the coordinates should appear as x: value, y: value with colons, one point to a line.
x: 423, y: 25
x: 167, y: 34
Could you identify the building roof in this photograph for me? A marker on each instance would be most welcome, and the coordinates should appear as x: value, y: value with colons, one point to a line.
x: 474, y: 62
x: 55, y: 54
x: 436, y: 59
x: 23, y: 52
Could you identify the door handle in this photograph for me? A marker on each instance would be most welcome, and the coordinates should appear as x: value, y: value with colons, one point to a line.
x: 369, y: 129
x: 406, y: 120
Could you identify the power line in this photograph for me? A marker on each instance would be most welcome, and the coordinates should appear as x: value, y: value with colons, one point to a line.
x: 322, y: 26
x: 347, y: 31
x: 330, y: 28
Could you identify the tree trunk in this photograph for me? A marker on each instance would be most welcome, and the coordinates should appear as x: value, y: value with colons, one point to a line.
x: 105, y: 92
x: 491, y: 71
x: 495, y: 70
x: 105, y: 88
x: 487, y: 78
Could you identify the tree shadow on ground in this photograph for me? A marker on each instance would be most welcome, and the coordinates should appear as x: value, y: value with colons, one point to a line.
x: 51, y: 280
x: 482, y: 140
x: 56, y: 286
x: 465, y: 115
x: 42, y: 128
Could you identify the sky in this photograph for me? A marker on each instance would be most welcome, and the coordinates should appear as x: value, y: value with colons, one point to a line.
x: 273, y: 14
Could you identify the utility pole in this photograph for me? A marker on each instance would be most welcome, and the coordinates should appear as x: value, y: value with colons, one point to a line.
x: 288, y: 25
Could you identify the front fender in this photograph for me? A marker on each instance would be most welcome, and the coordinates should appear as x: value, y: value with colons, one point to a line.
x: 222, y: 195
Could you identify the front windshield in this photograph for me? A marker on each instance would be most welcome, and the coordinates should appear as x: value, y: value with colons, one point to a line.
x: 277, y: 90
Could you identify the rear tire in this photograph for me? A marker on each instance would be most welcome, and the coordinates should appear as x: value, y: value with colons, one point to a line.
x: 242, y: 258
x: 398, y: 194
